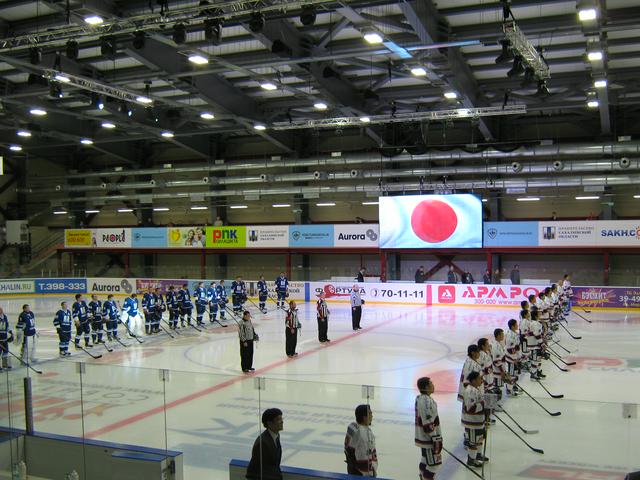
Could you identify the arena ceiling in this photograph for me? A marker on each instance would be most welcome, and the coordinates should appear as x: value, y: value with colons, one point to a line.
x: 159, y: 81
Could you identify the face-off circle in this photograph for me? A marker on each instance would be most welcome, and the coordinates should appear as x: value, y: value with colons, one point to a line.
x: 434, y: 221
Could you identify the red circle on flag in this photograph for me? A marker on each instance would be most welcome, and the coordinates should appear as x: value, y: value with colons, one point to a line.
x: 434, y: 221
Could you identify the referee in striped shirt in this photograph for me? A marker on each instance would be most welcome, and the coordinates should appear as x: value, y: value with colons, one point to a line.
x: 247, y: 336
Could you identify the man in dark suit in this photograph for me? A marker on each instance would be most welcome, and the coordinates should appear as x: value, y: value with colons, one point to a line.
x: 267, y: 451
x: 361, y: 273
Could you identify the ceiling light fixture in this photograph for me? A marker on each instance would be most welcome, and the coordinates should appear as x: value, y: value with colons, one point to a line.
x: 602, y: 83
x: 108, y: 125
x: 91, y: 211
x: 528, y: 199
x: 38, y: 112
x: 238, y: 206
x: 281, y: 205
x: 15, y: 148
x: 198, y: 207
x: 207, y: 116
x: 591, y: 197
x: 418, y: 71
x: 326, y: 204
x: 93, y: 20
x: 636, y: 196
x: 86, y: 141
x: 125, y: 210
x: 320, y: 106
x: 593, y: 104
x: 450, y: 95
x: 370, y: 203
x: 268, y: 86
x: 60, y: 77
x: 59, y: 212
x: 160, y: 209
x: 167, y: 134
x: 308, y: 15
x: 259, y: 127
x: 373, y: 38
x: 594, y: 55
x: 365, y: 119
x: 484, y: 200
x: 587, y: 14
x: 198, y: 59
x: 24, y: 133
x: 144, y: 100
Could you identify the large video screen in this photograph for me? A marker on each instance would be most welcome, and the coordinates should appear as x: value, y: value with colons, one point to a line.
x: 431, y: 221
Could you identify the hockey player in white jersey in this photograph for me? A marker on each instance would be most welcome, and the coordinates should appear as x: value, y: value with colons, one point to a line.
x: 360, y: 445
x: 499, y: 362
x: 470, y: 365
x: 474, y: 419
x: 534, y: 343
x: 486, y: 362
x: 428, y: 436
x: 513, y: 356
x: 525, y: 360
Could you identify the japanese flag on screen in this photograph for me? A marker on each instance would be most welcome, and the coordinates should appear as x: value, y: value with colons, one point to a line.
x: 431, y: 221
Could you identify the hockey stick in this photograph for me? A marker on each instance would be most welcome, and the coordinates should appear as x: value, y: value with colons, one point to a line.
x: 107, y: 347
x: 556, y: 342
x: 254, y: 304
x: 570, y: 334
x: 524, y: 430
x: 558, y: 366
x: 278, y: 307
x: 583, y: 317
x: 553, y: 414
x: 537, y: 450
x: 584, y: 310
x: 26, y: 364
x: 464, y: 464
x: 165, y: 331
x: 555, y: 354
x: 550, y: 394
x: 169, y: 325
x: 88, y: 352
x: 121, y: 343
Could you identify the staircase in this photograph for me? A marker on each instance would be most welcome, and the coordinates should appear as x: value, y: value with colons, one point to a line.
x: 44, y: 250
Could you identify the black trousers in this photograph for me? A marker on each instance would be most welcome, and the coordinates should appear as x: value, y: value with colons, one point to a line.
x: 246, y: 355
x: 291, y: 341
x: 323, y: 326
x: 356, y: 314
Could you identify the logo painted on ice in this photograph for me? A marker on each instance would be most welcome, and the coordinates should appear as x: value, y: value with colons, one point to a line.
x: 446, y: 294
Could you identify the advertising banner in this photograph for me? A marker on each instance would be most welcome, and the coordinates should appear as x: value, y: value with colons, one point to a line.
x: 311, y: 235
x: 391, y: 293
x: 510, y: 234
x: 358, y: 235
x: 143, y: 284
x: 567, y: 234
x: 480, y: 295
x: 112, y: 238
x: 264, y: 236
x: 8, y: 287
x: 186, y: 237
x: 79, y: 238
x: 116, y: 286
x: 606, y: 297
x: 149, y: 237
x: 618, y: 233
x: 431, y: 221
x: 227, y: 237
x: 61, y: 285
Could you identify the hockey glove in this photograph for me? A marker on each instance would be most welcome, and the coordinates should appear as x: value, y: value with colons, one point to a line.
x: 437, y: 444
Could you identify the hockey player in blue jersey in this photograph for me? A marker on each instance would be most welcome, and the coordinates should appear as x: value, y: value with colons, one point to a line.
x: 149, y: 310
x: 6, y: 337
x: 80, y: 314
x: 282, y: 290
x: 221, y: 293
x: 110, y: 312
x: 159, y: 310
x: 238, y: 295
x: 212, y: 300
x: 27, y: 334
x: 200, y: 297
x: 186, y: 307
x: 63, y: 324
x: 95, y: 309
x: 263, y: 293
x: 131, y: 313
x: 173, y: 307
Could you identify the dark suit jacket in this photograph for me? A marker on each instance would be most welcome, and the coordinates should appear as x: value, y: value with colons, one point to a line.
x: 266, y: 467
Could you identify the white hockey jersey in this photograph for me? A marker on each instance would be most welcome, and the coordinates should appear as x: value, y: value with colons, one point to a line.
x: 512, y: 346
x: 534, y: 336
x: 473, y: 407
x: 498, y: 355
x: 360, y: 447
x: 486, y: 362
x: 470, y: 365
x: 427, y: 421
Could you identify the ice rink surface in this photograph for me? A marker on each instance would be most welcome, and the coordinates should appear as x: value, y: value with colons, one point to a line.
x: 210, y: 410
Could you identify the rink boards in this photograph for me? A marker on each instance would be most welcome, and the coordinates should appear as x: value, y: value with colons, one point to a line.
x: 454, y: 295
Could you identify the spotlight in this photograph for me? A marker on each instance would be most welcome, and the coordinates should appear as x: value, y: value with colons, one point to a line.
x: 308, y: 15
x: 167, y: 134
x: 587, y: 14
x: 517, y: 68
x: 542, y: 90
x: 86, y: 141
x: 96, y: 101
x: 600, y: 83
x: 268, y: 86
x: 108, y: 125
x: 72, y: 50
x: 198, y: 59
x: 108, y: 45
x: 506, y: 55
x: 259, y: 127
x: 207, y: 116
x: 24, y: 133
x: 15, y: 148
x: 418, y: 71
x: 179, y: 33
x: 38, y: 112
x: 138, y: 39
x: 35, y: 55
x: 213, y: 29
x: 373, y: 38
x: 256, y: 22
x: 593, y: 104
x: 594, y: 56
x: 320, y: 106
x: 94, y: 20
x: 280, y: 48
x: 529, y: 77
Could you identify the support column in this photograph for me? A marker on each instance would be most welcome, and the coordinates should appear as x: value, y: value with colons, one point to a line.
x: 383, y: 266
x: 490, y: 263
x: 606, y: 267
x: 288, y: 265
x: 398, y: 262
x: 125, y: 260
